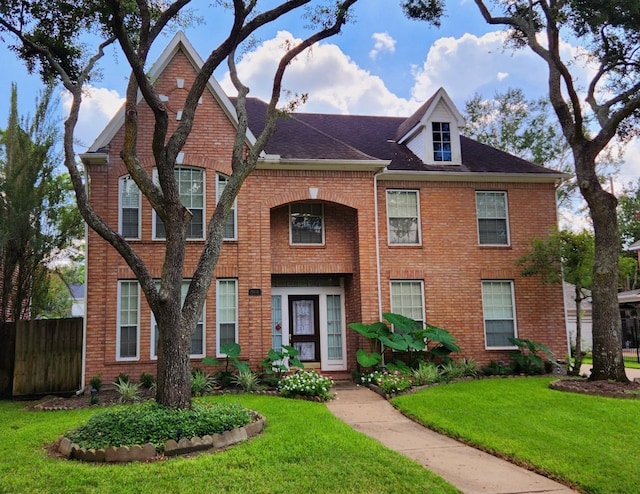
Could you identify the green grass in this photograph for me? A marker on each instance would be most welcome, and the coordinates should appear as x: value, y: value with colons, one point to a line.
x: 587, y: 441
x: 304, y: 448
x: 627, y: 363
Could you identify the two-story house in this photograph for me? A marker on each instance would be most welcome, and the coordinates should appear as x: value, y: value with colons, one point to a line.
x: 346, y: 217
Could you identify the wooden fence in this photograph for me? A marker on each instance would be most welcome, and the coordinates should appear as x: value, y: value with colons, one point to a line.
x: 41, y: 357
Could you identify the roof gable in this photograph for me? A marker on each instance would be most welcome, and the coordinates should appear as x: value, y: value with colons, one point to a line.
x: 179, y: 43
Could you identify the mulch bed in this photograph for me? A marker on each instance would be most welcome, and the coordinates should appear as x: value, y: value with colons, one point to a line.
x: 610, y: 389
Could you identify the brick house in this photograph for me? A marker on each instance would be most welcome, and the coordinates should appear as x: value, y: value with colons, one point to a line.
x: 345, y: 218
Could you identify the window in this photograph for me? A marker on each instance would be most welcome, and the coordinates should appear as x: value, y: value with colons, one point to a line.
x: 307, y: 223
x: 276, y: 322
x: 197, y: 344
x: 227, y: 313
x: 127, y: 338
x: 441, y: 133
x: 499, y: 313
x: 129, y: 208
x: 230, y: 225
x: 407, y: 299
x: 491, y: 208
x: 402, y: 215
x: 334, y: 327
x: 191, y: 186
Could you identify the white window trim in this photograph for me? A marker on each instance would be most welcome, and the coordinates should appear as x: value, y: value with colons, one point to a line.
x: 419, y: 242
x: 298, y: 244
x: 234, y: 210
x: 506, y: 210
x: 456, y: 153
x: 236, y: 336
x: 121, y: 181
x: 422, y: 300
x: 204, y: 206
x: 515, y: 317
x: 118, y: 325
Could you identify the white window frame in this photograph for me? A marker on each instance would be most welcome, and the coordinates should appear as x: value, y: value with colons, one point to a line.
x: 202, y: 321
x: 154, y: 215
x: 119, y: 358
x: 398, y: 310
x: 219, y: 308
x: 513, y: 318
x: 322, y: 225
x: 505, y: 218
x: 389, y: 217
x: 121, y: 185
x: 221, y: 183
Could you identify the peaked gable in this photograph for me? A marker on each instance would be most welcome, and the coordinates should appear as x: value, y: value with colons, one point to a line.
x: 433, y: 131
x: 179, y: 43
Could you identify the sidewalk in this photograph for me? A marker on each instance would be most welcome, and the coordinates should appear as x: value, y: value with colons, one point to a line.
x: 470, y: 470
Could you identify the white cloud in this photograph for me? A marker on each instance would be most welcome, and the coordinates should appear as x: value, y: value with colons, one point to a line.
x: 502, y: 76
x: 383, y: 43
x: 98, y: 106
x: 334, y: 82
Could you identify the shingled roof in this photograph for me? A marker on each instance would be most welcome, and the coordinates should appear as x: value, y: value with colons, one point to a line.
x: 316, y: 136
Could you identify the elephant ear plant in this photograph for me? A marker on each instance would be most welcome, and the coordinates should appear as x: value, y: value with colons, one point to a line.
x: 231, y: 351
x: 408, y: 336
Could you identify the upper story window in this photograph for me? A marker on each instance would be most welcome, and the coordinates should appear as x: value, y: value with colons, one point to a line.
x: 230, y: 232
x: 499, y: 313
x: 129, y: 208
x: 191, y: 188
x: 407, y: 299
x: 493, y: 218
x: 441, y: 133
x: 128, y: 335
x: 403, y: 217
x: 197, y: 343
x: 306, y: 223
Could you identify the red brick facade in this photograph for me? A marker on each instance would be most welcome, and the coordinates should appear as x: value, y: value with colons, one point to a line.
x: 449, y: 261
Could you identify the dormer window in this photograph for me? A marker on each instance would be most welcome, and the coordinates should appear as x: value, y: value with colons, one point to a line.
x: 441, y: 132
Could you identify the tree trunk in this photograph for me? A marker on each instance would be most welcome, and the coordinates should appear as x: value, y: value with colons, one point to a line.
x: 607, y: 326
x: 173, y: 379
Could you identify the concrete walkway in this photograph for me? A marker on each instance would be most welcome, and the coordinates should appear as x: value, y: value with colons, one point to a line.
x: 470, y: 470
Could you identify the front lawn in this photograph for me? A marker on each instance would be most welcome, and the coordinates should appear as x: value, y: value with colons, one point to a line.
x: 304, y: 448
x: 589, y: 441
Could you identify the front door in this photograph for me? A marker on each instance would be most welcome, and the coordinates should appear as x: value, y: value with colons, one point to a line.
x: 304, y: 326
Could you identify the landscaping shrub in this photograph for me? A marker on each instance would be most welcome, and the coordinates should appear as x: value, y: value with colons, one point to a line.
x: 496, y: 368
x: 389, y: 382
x: 306, y: 383
x: 129, y: 392
x: 152, y: 423
x: 426, y: 373
x: 96, y: 382
x: 147, y: 380
x: 247, y: 380
x: 201, y: 382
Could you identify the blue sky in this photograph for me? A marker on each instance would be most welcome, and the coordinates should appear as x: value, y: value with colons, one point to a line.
x: 382, y: 64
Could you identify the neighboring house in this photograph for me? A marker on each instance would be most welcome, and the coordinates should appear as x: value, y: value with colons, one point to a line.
x: 346, y: 217
x: 77, y: 299
x: 586, y: 322
x: 629, y: 304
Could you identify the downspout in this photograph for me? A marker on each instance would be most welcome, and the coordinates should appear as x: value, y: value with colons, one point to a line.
x: 564, y: 301
x: 377, y: 229
x: 83, y: 371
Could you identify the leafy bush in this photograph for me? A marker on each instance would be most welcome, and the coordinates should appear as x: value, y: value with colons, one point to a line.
x: 306, y: 383
x: 469, y: 367
x: 389, y: 382
x: 231, y: 352
x: 451, y: 370
x: 426, y: 373
x: 279, y: 362
x: 150, y: 422
x: 129, y: 392
x: 96, y: 382
x: 494, y: 368
x: 122, y: 377
x: 528, y: 360
x: 201, y: 382
x: 147, y: 380
x: 247, y: 380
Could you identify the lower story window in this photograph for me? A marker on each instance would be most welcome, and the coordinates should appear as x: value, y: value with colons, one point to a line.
x: 407, y: 299
x: 196, y: 347
x: 127, y: 339
x: 227, y: 312
x: 499, y: 313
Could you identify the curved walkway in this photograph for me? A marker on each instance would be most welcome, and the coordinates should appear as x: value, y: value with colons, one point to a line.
x: 470, y: 470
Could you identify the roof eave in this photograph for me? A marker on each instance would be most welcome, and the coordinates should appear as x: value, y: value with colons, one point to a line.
x: 270, y: 162
x: 460, y: 176
x: 94, y: 158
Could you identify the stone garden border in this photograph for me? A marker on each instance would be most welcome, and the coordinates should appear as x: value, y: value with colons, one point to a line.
x: 125, y: 454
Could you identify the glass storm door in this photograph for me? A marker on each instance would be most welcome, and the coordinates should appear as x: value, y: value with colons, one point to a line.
x: 304, y: 326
